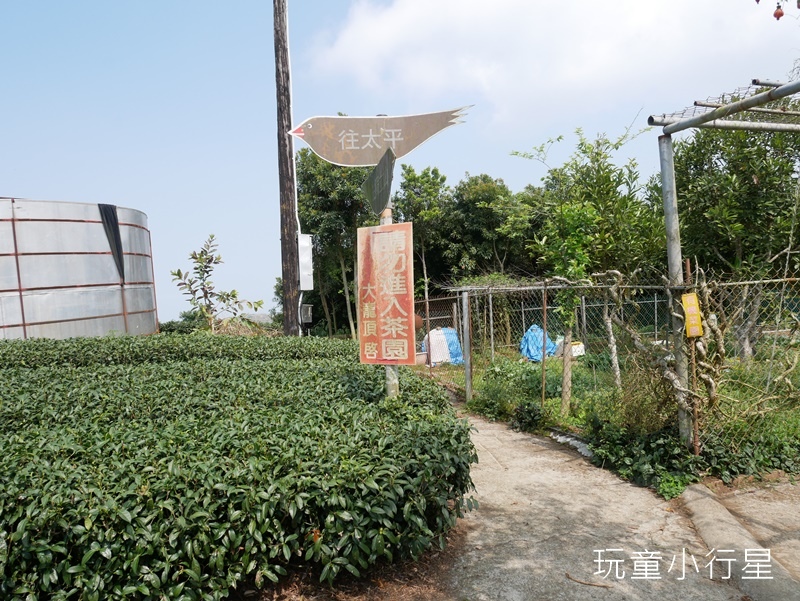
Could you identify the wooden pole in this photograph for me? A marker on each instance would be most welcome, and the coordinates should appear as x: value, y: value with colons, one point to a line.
x: 467, y: 341
x: 693, y: 359
x: 290, y: 254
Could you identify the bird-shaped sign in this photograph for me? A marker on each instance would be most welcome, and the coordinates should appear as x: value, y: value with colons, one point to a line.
x: 362, y: 141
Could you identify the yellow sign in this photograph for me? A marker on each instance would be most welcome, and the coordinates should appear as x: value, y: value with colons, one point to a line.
x: 691, y: 311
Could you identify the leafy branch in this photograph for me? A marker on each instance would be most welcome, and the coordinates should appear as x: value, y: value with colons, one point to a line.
x: 200, y: 290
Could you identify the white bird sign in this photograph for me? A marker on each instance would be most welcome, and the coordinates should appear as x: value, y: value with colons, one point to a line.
x: 362, y: 141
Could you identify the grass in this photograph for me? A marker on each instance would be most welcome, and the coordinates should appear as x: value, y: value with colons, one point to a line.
x: 753, y: 428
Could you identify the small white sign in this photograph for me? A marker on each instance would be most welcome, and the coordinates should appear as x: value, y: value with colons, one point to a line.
x: 305, y: 250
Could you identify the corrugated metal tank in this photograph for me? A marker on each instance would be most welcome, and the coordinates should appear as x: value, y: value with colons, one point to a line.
x: 74, y: 269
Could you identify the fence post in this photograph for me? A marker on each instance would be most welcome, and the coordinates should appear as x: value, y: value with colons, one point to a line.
x: 544, y: 340
x: 583, y: 322
x: 675, y: 265
x: 491, y: 326
x: 655, y: 316
x: 465, y: 316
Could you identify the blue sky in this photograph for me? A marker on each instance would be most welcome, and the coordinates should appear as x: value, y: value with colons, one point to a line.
x: 168, y: 106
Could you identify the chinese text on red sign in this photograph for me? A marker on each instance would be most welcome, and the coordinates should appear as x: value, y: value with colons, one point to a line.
x: 386, y: 294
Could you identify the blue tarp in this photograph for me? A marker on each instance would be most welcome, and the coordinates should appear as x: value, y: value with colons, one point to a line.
x: 531, y: 344
x: 445, y: 347
x: 456, y: 356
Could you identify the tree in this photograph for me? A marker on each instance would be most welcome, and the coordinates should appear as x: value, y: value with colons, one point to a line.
x: 592, y: 214
x: 332, y: 207
x: 738, y: 202
x: 736, y: 194
x: 593, y: 220
x: 422, y: 199
x: 563, y: 247
x: 475, y: 243
x: 276, y: 313
x: 203, y: 296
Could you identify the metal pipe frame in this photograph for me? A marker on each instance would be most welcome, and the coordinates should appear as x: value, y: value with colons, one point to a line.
x: 731, y: 109
x: 668, y: 122
x: 716, y: 105
x: 711, y: 119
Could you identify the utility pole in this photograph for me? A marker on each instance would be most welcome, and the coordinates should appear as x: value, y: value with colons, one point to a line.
x: 286, y: 175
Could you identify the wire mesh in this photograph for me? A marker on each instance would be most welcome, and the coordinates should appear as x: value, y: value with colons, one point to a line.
x: 753, y: 364
x: 781, y: 111
x: 742, y: 374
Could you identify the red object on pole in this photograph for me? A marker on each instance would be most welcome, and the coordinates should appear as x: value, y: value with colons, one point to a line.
x: 386, y: 294
x: 778, y: 13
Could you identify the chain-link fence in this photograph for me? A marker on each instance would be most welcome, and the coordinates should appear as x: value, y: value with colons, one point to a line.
x: 743, y: 371
x: 738, y: 379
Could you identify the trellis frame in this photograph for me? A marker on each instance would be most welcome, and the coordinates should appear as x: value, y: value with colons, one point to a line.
x: 717, y: 115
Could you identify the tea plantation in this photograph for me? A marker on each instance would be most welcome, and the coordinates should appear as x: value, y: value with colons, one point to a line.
x: 182, y: 467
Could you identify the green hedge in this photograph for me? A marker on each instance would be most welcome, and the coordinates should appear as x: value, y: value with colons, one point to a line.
x: 183, y: 480
x: 159, y: 348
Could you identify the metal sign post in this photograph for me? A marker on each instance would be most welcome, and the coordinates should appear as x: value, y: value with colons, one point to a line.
x: 386, y: 297
x: 385, y: 301
x: 392, y: 373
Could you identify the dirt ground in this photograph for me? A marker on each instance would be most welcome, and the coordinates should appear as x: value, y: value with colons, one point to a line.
x: 406, y: 581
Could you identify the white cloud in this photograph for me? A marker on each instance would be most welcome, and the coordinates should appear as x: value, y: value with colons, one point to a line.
x: 516, y: 53
x: 535, y: 70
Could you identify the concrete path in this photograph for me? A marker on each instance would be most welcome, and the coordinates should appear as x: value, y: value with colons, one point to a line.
x: 770, y: 511
x: 761, y: 519
x: 551, y: 526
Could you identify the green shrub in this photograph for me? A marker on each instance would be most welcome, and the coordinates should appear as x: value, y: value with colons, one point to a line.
x: 528, y: 416
x: 508, y: 383
x: 189, y: 322
x: 658, y: 459
x: 645, y: 404
x: 161, y: 348
x: 662, y: 460
x: 600, y: 361
x: 180, y: 479
x: 731, y: 454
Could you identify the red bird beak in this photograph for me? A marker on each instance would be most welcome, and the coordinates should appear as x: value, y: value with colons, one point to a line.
x: 298, y: 132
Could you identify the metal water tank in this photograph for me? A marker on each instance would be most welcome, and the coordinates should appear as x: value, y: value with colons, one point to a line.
x: 74, y: 269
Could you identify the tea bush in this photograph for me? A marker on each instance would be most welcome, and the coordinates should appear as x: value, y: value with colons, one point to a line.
x: 159, y: 348
x: 188, y: 475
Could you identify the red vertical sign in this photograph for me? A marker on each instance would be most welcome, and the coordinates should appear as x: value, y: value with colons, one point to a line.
x: 386, y: 294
